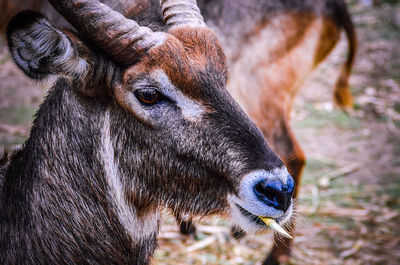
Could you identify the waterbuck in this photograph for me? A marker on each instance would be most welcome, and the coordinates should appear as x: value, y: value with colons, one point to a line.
x: 271, y: 47
x: 138, y: 120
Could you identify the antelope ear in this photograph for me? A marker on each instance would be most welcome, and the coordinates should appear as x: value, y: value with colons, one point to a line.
x: 40, y: 49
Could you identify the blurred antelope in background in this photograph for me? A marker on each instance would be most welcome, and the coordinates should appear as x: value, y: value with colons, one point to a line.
x: 270, y: 46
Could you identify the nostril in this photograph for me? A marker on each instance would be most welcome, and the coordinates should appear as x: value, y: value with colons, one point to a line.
x: 274, y: 193
x: 267, y: 194
x: 289, y: 184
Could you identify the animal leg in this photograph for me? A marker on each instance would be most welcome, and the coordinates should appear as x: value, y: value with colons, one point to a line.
x: 186, y: 226
x: 288, y: 148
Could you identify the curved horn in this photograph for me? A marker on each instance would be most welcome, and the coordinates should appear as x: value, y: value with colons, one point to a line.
x: 123, y: 39
x: 179, y: 13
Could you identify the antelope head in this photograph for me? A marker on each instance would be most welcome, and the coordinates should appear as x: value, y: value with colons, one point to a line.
x: 172, y: 134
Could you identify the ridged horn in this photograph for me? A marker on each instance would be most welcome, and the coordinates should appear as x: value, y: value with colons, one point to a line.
x: 121, y: 38
x: 179, y: 13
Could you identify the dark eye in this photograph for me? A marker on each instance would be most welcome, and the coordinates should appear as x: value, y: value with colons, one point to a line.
x: 147, y: 96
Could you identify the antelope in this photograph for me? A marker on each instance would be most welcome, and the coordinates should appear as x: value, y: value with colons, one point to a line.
x: 138, y: 120
x: 271, y: 47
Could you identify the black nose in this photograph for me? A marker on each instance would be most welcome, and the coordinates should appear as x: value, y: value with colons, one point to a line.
x: 274, y: 193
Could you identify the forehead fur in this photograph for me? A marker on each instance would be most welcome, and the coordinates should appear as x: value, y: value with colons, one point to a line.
x: 192, y: 58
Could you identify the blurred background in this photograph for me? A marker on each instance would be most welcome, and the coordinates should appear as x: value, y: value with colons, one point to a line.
x: 349, y: 204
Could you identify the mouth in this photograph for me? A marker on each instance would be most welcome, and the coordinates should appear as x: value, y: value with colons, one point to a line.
x: 251, y: 217
x: 264, y: 222
x: 256, y: 219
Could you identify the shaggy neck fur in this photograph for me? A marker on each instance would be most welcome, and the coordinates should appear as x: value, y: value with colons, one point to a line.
x: 63, y: 201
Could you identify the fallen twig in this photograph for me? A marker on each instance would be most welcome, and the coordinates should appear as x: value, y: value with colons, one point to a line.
x: 335, y: 211
x: 341, y: 172
x: 13, y: 130
x: 212, y: 229
x: 201, y: 244
x: 353, y: 250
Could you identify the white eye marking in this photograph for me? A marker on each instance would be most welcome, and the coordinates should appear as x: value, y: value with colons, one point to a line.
x: 191, y: 110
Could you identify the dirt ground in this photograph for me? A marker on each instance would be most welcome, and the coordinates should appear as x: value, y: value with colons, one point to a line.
x: 349, y: 205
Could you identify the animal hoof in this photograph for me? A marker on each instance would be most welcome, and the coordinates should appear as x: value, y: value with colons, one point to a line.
x: 187, y: 228
x: 237, y: 233
x: 281, y: 260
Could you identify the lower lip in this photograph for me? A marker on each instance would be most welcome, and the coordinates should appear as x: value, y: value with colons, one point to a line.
x: 253, y: 218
